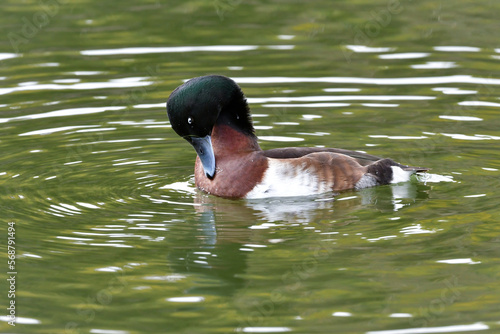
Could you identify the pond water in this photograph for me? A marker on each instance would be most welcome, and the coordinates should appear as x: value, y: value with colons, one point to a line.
x: 111, y: 235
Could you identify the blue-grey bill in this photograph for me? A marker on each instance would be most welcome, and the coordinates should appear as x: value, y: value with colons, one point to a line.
x: 203, y: 147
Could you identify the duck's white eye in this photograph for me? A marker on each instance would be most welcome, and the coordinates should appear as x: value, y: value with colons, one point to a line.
x: 190, y: 120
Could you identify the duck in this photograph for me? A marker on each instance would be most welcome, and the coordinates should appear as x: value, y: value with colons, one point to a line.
x: 212, y: 114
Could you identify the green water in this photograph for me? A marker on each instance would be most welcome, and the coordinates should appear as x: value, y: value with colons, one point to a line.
x: 111, y: 235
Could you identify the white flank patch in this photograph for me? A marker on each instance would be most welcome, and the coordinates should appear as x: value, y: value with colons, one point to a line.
x: 285, y: 180
x: 366, y: 181
x: 400, y: 175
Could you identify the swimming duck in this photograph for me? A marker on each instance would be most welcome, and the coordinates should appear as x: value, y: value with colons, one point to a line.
x: 212, y: 114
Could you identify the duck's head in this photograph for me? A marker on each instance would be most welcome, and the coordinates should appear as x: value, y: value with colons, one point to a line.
x: 196, y: 106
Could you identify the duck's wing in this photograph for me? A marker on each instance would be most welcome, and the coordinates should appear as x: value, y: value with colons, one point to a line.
x: 363, y: 159
x: 297, y: 152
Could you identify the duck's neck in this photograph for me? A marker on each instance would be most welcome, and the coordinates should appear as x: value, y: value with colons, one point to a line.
x: 227, y: 140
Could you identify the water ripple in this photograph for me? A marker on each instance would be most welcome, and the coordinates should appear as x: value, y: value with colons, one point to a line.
x: 21, y: 320
x: 457, y: 48
x: 113, y: 83
x: 479, y: 104
x: 398, y: 137
x: 461, y: 136
x: 280, y: 138
x: 368, y: 49
x: 323, y: 98
x: 459, y: 261
x: 453, y: 91
x: 372, y: 81
x: 264, y: 329
x: 62, y: 112
x: 461, y: 118
x: 4, y: 56
x: 406, y: 55
x: 306, y: 105
x: 443, y: 329
x: 434, y: 65
x: 52, y: 130
x: 181, y: 49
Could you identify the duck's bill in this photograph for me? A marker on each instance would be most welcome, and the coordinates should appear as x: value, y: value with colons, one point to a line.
x: 203, y: 147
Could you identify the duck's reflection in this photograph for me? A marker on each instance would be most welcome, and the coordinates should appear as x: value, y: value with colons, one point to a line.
x: 309, y: 209
x: 225, y: 234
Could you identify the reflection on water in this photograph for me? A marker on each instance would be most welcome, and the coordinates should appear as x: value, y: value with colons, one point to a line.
x: 307, y: 209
